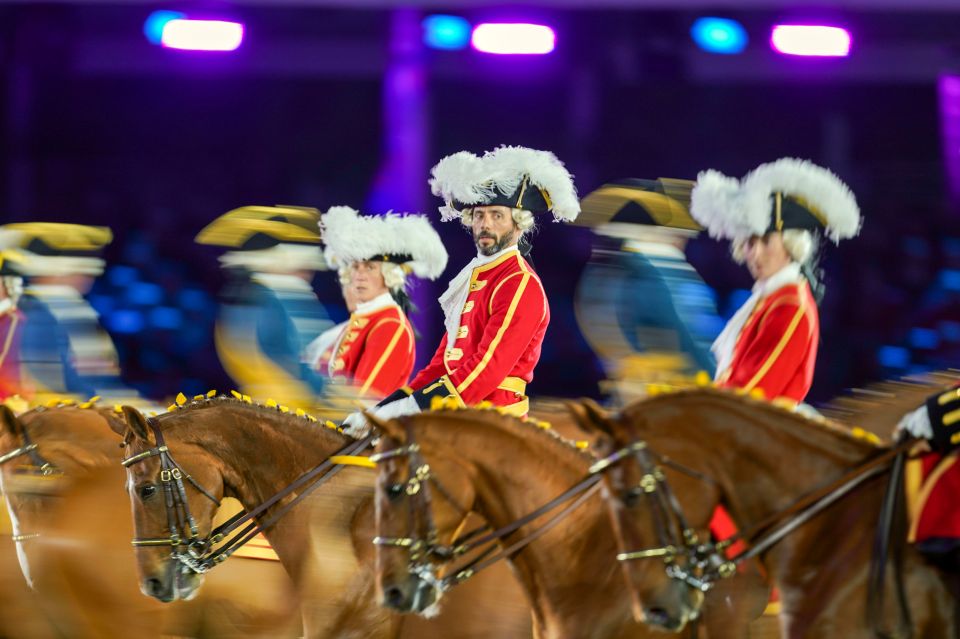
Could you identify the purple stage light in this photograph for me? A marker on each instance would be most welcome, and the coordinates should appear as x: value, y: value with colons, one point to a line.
x: 202, y: 35
x: 513, y: 38
x: 810, y: 40
x: 948, y: 88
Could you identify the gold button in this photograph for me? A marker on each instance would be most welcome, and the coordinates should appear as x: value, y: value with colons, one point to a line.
x: 476, y: 285
x: 338, y: 364
x: 467, y: 307
x: 462, y: 332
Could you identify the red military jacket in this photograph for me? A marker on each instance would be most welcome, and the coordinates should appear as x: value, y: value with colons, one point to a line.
x: 11, y: 329
x: 376, y: 351
x: 498, y: 343
x: 777, y: 348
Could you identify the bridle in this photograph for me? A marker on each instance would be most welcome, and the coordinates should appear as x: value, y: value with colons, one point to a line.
x: 421, y: 540
x: 200, y: 554
x: 40, y: 467
x: 685, y: 558
x: 707, y: 563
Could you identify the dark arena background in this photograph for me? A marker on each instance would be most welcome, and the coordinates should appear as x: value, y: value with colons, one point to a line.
x: 328, y: 103
x: 182, y: 383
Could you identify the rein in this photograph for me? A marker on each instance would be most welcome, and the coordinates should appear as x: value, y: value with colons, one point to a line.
x: 41, y: 466
x: 421, y: 544
x: 762, y: 538
x: 708, y: 561
x: 197, y: 553
x: 675, y: 536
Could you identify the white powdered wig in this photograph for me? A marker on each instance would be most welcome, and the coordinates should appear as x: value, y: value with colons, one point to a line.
x: 282, y: 258
x: 351, y: 237
x: 732, y: 209
x: 464, y: 177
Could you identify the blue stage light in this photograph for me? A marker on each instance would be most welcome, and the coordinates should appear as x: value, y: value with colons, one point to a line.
x: 719, y: 35
x: 125, y: 321
x: 446, y: 32
x: 893, y: 357
x: 156, y: 21
x: 923, y: 338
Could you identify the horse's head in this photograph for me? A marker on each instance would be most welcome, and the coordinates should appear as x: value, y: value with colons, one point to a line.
x: 175, y: 486
x: 644, y: 520
x: 411, y: 518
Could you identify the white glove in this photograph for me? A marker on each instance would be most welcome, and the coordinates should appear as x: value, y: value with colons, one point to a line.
x: 917, y: 423
x: 356, y: 424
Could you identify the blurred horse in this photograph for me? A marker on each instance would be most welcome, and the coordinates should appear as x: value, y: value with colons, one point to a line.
x: 434, y: 467
x: 233, y: 448
x: 73, y: 532
x: 766, y: 464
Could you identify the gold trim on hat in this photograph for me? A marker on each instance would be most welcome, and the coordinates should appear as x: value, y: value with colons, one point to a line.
x: 64, y: 236
x: 523, y: 191
x: 777, y: 208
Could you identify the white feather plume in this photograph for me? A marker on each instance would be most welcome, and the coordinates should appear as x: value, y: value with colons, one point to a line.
x: 715, y: 204
x: 467, y: 178
x: 734, y: 209
x: 350, y: 237
x: 460, y: 177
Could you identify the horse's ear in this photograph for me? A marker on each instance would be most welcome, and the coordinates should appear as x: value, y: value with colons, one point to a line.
x: 9, y: 423
x: 115, y: 421
x: 589, y: 417
x: 136, y: 423
x: 389, y: 427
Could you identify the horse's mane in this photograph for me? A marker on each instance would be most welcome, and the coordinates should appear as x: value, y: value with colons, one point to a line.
x: 536, y: 429
x: 776, y: 409
x: 879, y: 407
x: 287, y: 417
x: 44, y: 423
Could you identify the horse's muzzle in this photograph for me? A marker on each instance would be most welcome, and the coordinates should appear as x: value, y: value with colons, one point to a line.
x: 175, y: 582
x: 413, y: 595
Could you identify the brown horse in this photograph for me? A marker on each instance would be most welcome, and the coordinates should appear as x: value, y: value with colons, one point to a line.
x: 504, y: 468
x: 75, y: 527
x: 251, y: 452
x: 758, y: 460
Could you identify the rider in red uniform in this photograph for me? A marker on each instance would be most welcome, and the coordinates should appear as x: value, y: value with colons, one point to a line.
x: 773, y: 217
x: 375, y: 255
x: 495, y: 309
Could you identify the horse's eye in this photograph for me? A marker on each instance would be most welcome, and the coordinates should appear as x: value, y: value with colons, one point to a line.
x: 630, y: 497
x: 147, y: 491
x: 395, y: 491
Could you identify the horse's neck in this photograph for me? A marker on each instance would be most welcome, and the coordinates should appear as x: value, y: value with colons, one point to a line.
x: 764, y: 459
x: 75, y: 441
x: 261, y: 452
x: 513, y: 476
x: 764, y: 462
